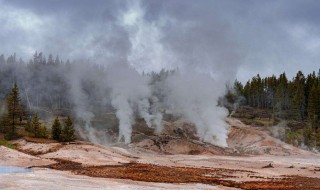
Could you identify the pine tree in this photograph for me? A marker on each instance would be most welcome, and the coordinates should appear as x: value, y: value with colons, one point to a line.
x: 311, y: 79
x: 50, y: 60
x: 4, y: 124
x: 247, y: 93
x: 36, y: 127
x: 270, y: 91
x: 38, y: 130
x: 43, y: 132
x: 298, y: 108
x: 238, y: 87
x: 2, y: 60
x: 281, y: 102
x: 14, y: 112
x: 313, y: 102
x: 28, y: 127
x: 68, y: 131
x: 56, y: 130
x: 57, y: 61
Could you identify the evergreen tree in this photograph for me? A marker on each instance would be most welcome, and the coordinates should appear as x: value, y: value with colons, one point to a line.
x: 56, y: 130
x: 2, y: 59
x: 313, y: 104
x: 3, y: 124
x: 298, y: 108
x: 28, y: 127
x: 238, y: 87
x: 36, y: 126
x: 50, y: 60
x: 43, y: 132
x: 57, y: 61
x: 311, y: 79
x: 68, y: 131
x: 281, y: 96
x: 38, y: 130
x: 247, y: 92
x: 271, y: 83
x: 14, y: 112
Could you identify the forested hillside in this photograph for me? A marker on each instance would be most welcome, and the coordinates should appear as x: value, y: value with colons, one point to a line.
x: 50, y: 84
x: 33, y: 90
x: 297, y: 99
x: 41, y: 80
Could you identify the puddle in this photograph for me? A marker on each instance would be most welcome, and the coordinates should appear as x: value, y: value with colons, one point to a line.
x: 12, y: 169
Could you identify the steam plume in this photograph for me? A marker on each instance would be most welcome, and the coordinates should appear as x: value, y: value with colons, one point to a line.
x: 129, y: 91
x: 196, y: 99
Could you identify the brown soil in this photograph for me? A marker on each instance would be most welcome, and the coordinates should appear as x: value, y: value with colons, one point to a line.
x: 37, y: 153
x: 39, y: 140
x: 165, y: 174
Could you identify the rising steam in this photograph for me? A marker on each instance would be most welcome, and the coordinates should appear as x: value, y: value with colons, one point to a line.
x: 132, y: 41
x: 129, y: 94
x: 192, y: 92
x: 195, y: 96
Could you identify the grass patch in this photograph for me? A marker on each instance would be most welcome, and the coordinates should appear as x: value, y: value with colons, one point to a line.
x: 7, y: 144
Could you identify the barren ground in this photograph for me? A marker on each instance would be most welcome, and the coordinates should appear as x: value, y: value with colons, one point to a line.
x: 254, y: 160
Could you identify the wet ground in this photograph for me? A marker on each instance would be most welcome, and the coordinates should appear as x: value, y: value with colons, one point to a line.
x: 12, y: 169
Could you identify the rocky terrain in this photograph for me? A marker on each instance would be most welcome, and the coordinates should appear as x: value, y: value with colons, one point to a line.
x: 175, y: 159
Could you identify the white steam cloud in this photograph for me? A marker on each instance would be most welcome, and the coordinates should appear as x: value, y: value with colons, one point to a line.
x: 193, y: 92
x: 81, y: 102
x: 195, y: 96
x: 129, y: 94
x: 128, y: 38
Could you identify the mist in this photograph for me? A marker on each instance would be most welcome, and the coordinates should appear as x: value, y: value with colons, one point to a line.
x: 121, y: 66
x: 195, y: 96
x: 129, y: 95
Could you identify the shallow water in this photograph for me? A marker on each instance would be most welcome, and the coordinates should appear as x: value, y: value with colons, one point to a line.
x: 12, y: 169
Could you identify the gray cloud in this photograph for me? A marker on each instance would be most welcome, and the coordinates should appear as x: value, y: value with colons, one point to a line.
x: 263, y: 37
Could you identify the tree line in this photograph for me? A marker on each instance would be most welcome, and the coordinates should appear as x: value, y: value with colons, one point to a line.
x: 296, y: 99
x: 44, y: 82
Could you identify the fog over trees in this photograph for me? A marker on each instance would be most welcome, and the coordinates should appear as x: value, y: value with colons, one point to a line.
x: 51, y: 87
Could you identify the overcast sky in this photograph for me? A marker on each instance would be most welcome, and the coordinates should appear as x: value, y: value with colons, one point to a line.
x: 250, y: 37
